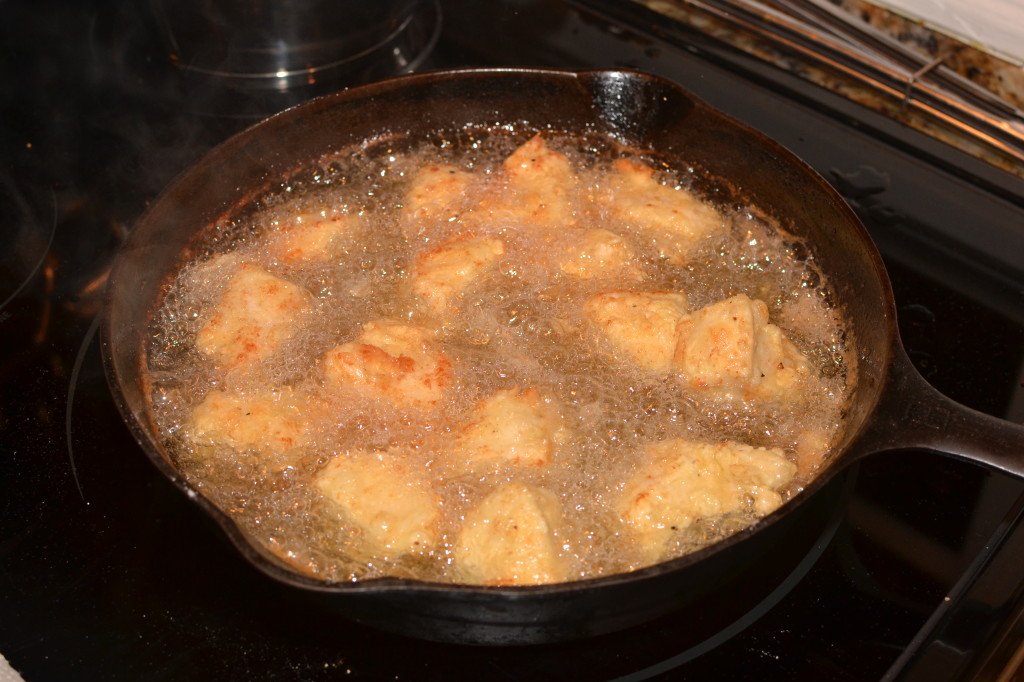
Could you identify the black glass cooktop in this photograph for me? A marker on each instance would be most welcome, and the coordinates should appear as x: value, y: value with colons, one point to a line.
x: 107, y: 572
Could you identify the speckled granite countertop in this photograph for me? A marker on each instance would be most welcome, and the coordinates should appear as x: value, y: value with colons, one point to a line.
x: 938, y: 84
x: 987, y: 57
x: 993, y: 26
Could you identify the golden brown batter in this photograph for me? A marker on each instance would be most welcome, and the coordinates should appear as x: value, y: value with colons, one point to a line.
x: 506, y: 364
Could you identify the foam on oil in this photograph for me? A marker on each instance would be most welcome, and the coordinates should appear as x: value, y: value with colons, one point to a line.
x: 518, y: 325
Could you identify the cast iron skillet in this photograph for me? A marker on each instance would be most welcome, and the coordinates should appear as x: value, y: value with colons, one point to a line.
x: 893, y: 407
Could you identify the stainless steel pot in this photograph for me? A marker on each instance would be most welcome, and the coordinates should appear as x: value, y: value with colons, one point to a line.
x: 290, y: 45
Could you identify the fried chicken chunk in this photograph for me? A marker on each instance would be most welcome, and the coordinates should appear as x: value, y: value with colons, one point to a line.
x: 730, y: 346
x: 434, y: 195
x: 391, y: 360
x: 641, y: 326
x: 441, y: 274
x: 311, y: 237
x: 512, y: 426
x: 636, y: 196
x: 538, y: 187
x: 393, y: 504
x: 255, y: 315
x: 599, y: 254
x: 682, y: 481
x: 509, y: 539
x: 269, y: 420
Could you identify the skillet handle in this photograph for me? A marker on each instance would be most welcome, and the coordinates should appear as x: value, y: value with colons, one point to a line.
x: 913, y: 414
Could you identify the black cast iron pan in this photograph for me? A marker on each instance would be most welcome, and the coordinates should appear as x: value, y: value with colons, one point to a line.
x: 893, y: 407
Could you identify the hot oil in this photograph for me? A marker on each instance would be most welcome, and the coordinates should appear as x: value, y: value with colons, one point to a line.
x: 519, y: 325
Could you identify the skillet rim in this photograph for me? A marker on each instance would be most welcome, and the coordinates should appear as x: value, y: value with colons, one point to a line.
x: 276, y: 568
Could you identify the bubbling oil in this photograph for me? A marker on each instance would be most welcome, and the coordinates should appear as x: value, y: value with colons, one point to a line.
x: 519, y: 324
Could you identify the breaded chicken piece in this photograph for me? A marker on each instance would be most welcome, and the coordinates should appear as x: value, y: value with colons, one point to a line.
x: 255, y: 315
x: 538, y: 187
x: 636, y: 196
x: 310, y: 237
x: 730, y: 346
x: 640, y: 325
x: 512, y: 426
x: 441, y: 274
x: 599, y: 254
x: 269, y: 420
x: 682, y: 481
x: 812, y: 446
x: 394, y: 361
x: 393, y: 504
x: 434, y: 195
x: 509, y: 539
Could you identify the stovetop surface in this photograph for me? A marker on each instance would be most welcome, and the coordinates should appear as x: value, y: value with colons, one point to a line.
x: 107, y: 572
